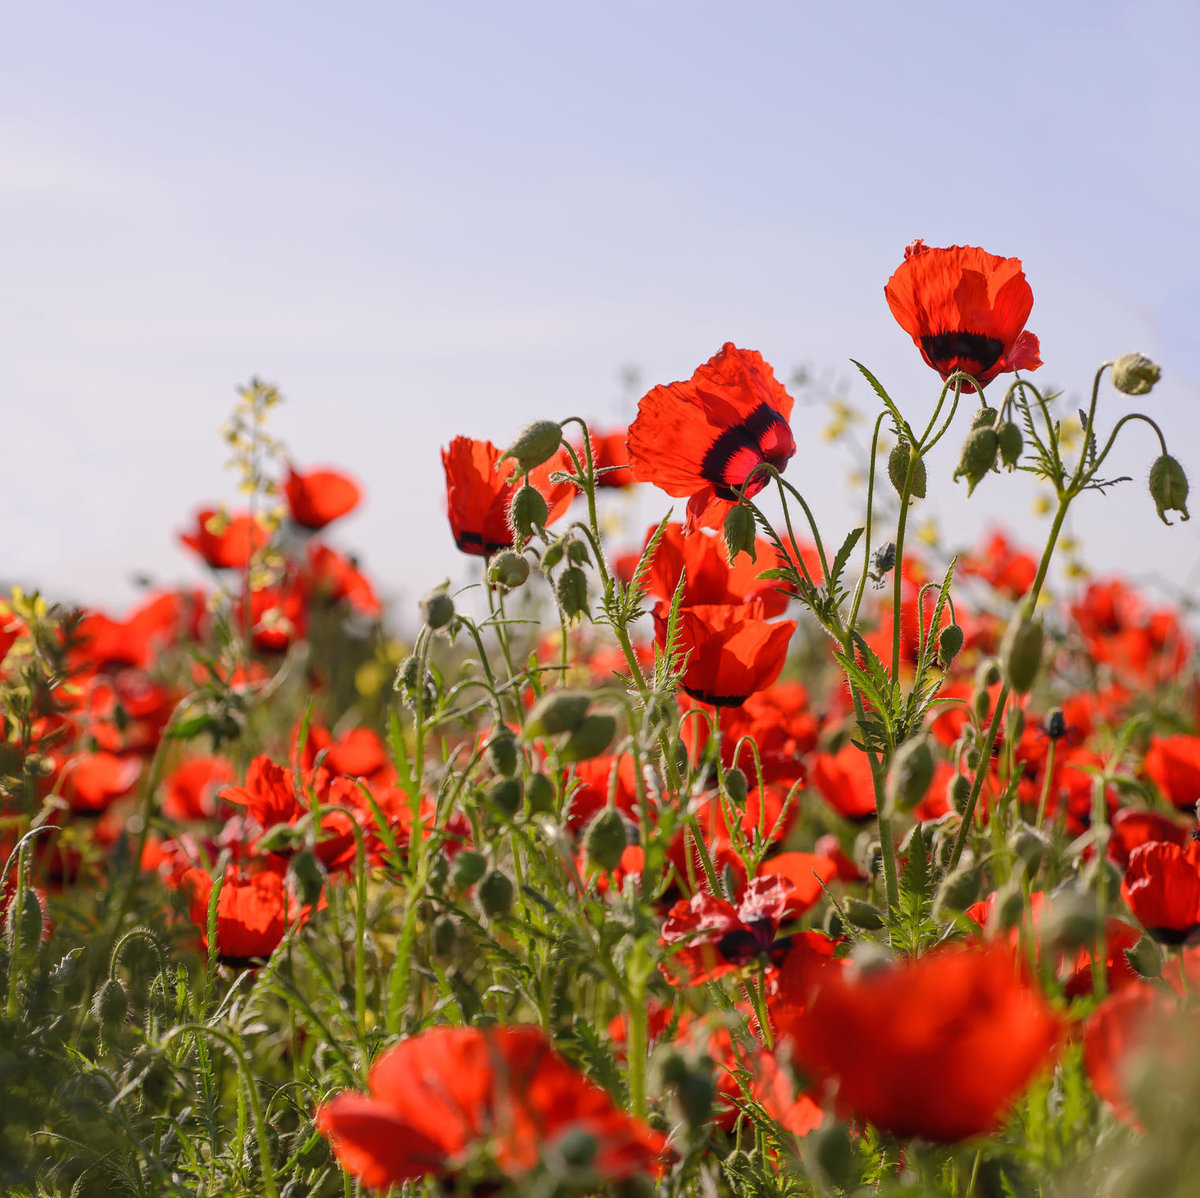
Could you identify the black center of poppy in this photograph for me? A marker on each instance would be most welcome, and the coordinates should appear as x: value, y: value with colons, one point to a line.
x: 473, y: 542
x: 715, y: 700
x: 764, y: 436
x: 973, y: 352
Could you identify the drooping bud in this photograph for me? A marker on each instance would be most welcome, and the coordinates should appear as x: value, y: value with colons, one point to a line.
x: 736, y: 786
x: 110, y: 1005
x: 593, y: 735
x: 981, y: 705
x: 25, y: 921
x: 950, y: 643
x: 910, y: 774
x: 445, y: 936
x: 1135, y: 374
x: 505, y: 796
x: 537, y: 443
x: 1168, y: 487
x: 978, y: 456
x: 527, y: 512
x: 1021, y: 653
x: 553, y: 554
x: 437, y: 608
x: 1072, y: 921
x: 1031, y: 845
x: 539, y: 794
x: 1011, y: 444
x: 987, y: 673
x: 502, y: 752
x: 494, y: 894
x: 739, y: 532
x: 898, y: 467
x: 557, y: 711
x: 577, y: 553
x: 1145, y: 958
x: 959, y: 889
x: 1008, y: 909
x: 571, y: 592
x: 508, y: 570
x: 469, y: 866
x: 605, y: 839
x: 984, y: 417
x: 958, y: 791
x: 861, y: 914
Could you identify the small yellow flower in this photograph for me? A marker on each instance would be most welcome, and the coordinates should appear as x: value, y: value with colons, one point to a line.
x: 1041, y: 505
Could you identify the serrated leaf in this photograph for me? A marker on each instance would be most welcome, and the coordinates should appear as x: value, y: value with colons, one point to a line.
x: 65, y: 970
x: 843, y: 556
x: 876, y: 386
x: 635, y: 592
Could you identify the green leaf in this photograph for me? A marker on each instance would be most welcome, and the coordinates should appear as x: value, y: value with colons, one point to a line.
x: 876, y: 386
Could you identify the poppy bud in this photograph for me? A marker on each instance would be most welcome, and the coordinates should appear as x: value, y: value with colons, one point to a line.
x: 502, y: 752
x: 971, y: 757
x: 281, y: 838
x: 978, y: 456
x: 739, y: 532
x: 1168, y: 487
x: 736, y: 786
x: 1072, y: 921
x: 110, y: 1005
x: 507, y: 570
x: 553, y: 554
x: 981, y: 705
x: 539, y: 793
x: 1031, y: 846
x: 958, y: 791
x: 494, y: 894
x: 1008, y: 909
x: 910, y: 774
x: 1011, y: 444
x: 834, y: 928
x: 593, y: 735
x: 985, y: 417
x: 308, y: 877
x: 959, y: 889
x: 950, y: 644
x: 898, y: 467
x: 696, y: 1090
x: 862, y: 914
x: 27, y: 922
x: 469, y: 866
x: 537, y: 443
x: 1135, y: 374
x: 571, y: 592
x: 1145, y: 958
x: 445, y: 936
x: 1016, y: 723
x: 577, y: 553
x: 505, y: 796
x: 605, y: 839
x: 987, y: 673
x: 558, y: 711
x: 527, y: 512
x: 1021, y: 652
x: 577, y: 1148
x: 437, y: 608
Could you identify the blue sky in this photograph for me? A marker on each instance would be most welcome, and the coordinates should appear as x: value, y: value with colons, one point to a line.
x: 425, y: 220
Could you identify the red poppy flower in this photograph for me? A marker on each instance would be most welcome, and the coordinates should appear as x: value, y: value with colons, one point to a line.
x: 1162, y: 888
x: 844, y: 779
x: 339, y: 578
x: 91, y: 782
x: 1004, y: 568
x: 320, y: 496
x: 190, y: 790
x: 1132, y: 826
x: 478, y: 494
x: 610, y: 454
x: 700, y: 438
x: 938, y: 1047
x: 442, y: 1098
x: 732, y: 651
x: 226, y: 542
x: 1173, y: 765
x: 965, y: 309
x: 252, y: 912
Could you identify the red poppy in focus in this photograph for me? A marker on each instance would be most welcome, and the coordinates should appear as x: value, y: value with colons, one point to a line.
x: 226, y: 542
x: 478, y: 494
x: 1162, y: 888
x: 252, y: 912
x: 732, y: 651
x: 440, y: 1099
x: 320, y: 496
x: 700, y: 438
x: 610, y: 454
x: 938, y: 1047
x: 965, y: 309
x: 1132, y: 826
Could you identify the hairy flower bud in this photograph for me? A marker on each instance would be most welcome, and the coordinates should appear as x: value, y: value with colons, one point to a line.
x: 539, y: 794
x: 307, y: 875
x: 736, y: 786
x: 1021, y: 653
x: 437, y: 608
x: 898, y: 467
x: 739, y: 532
x: 605, y: 839
x: 557, y: 711
x: 505, y: 796
x: 593, y: 735
x: 527, y: 512
x: 537, y: 443
x: 507, y: 570
x: 1145, y: 958
x: 445, y: 936
x: 958, y: 791
x: 1011, y: 444
x: 978, y: 456
x: 494, y: 894
x: 110, y: 1005
x: 1168, y: 487
x: 959, y: 889
x: 1031, y: 845
x: 862, y: 914
x: 571, y: 592
x: 950, y: 643
x: 1008, y: 909
x: 1135, y: 374
x: 502, y: 752
x: 469, y: 866
x: 910, y: 774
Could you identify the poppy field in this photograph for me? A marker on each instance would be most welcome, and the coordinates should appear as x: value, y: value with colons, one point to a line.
x: 762, y: 858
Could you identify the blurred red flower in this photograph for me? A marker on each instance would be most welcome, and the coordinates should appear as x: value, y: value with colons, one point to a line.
x: 1173, y: 764
x: 319, y: 497
x: 611, y: 454
x: 700, y: 438
x: 1119, y: 1031
x: 226, y: 542
x: 1162, y: 888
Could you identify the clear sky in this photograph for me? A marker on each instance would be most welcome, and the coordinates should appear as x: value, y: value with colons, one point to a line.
x: 429, y: 219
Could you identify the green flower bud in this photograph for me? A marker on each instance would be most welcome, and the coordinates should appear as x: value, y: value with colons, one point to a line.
x: 978, y: 457
x: 1031, y: 846
x: 577, y: 553
x: 110, y: 1005
x: 958, y: 890
x: 1007, y: 910
x: 605, y: 839
x: 696, y: 1091
x: 1016, y: 722
x: 898, y: 466
x: 987, y: 673
x: 739, y: 532
x: 557, y: 711
x: 958, y: 791
x: 507, y: 570
x: 1072, y: 921
x: 1145, y: 958
x: 445, y: 936
x: 571, y: 592
x: 308, y: 877
x: 1011, y: 444
x: 501, y: 752
x: 862, y: 914
x: 1168, y: 487
x: 1135, y: 374
x: 577, y: 1148
x: 832, y: 923
x: 494, y: 894
x: 981, y: 705
x: 527, y: 512
x: 26, y: 922
x: 950, y: 644
x: 593, y: 735
x: 910, y: 774
x: 537, y: 443
x: 1021, y: 653
x: 736, y: 786
x: 539, y: 794
x: 833, y: 1154
x: 505, y: 796
x: 984, y: 417
x: 467, y: 868
x: 553, y: 554
x: 437, y: 608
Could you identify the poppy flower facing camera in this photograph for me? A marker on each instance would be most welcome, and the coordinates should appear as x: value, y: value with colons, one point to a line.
x: 700, y: 438
x: 965, y: 309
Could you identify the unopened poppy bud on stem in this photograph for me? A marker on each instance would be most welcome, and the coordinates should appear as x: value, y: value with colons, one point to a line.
x: 508, y: 570
x: 605, y: 839
x: 571, y: 592
x: 1135, y: 374
x: 437, y: 608
x: 1011, y: 444
x: 1021, y: 653
x: 899, y: 462
x: 1168, y: 487
x: 978, y: 456
x: 739, y: 532
x: 528, y: 512
x: 558, y: 711
x: 910, y: 774
x: 537, y: 443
